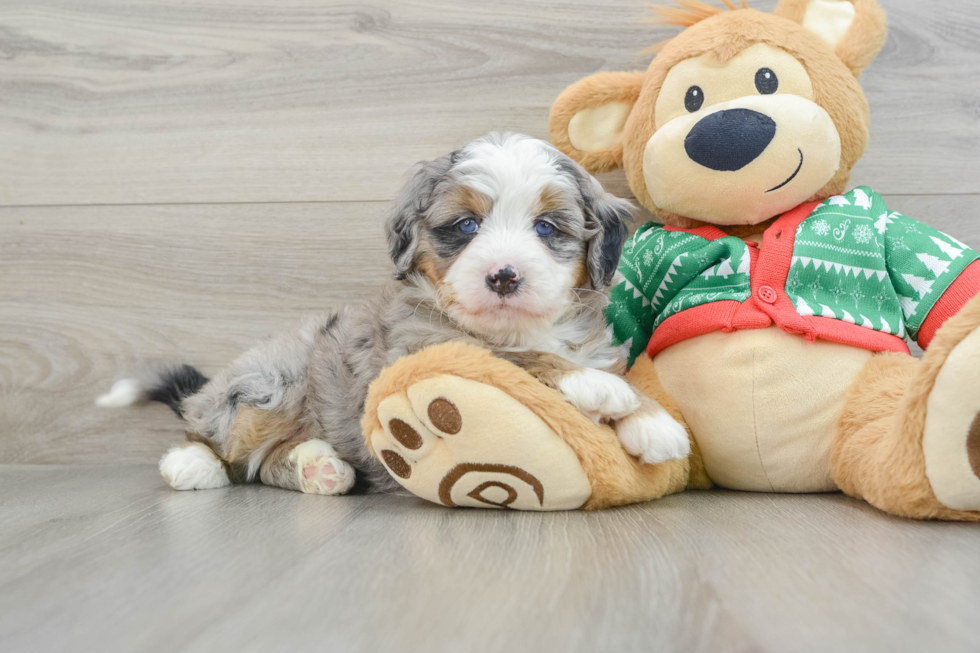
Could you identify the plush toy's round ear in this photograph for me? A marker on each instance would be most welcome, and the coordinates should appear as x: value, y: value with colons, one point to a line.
x: 588, y: 118
x: 854, y: 29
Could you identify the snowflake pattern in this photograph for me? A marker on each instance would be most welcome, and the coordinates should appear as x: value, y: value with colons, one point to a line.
x: 911, y: 229
x: 863, y: 234
x: 882, y: 297
x: 845, y: 264
x: 857, y: 295
x: 897, y: 244
x: 839, y: 291
x: 821, y: 227
x: 816, y: 287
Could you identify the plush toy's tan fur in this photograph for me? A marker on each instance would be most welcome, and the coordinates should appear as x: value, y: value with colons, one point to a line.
x: 724, y: 35
x: 877, y: 454
x: 616, y: 477
x: 863, y: 40
x: 871, y: 439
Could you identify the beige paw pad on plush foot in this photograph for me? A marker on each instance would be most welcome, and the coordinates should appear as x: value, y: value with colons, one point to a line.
x: 319, y: 469
x: 951, y: 438
x: 459, y: 442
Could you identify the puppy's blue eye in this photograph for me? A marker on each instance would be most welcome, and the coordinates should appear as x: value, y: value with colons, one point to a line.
x: 544, y: 229
x: 468, y: 226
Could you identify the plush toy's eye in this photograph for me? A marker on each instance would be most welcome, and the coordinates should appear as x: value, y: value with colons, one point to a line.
x: 468, y: 226
x: 694, y: 99
x: 766, y: 81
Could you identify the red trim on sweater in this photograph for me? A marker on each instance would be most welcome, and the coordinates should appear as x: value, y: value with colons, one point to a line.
x: 834, y: 330
x: 708, y: 232
x: 965, y: 288
x: 717, y: 316
x: 697, y: 321
x: 768, y: 268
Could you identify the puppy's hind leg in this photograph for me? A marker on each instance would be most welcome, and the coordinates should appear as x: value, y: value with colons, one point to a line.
x: 310, y: 466
x: 193, y: 466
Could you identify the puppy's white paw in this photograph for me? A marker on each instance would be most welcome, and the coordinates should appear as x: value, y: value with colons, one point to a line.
x: 653, y: 437
x: 600, y: 395
x: 193, y: 467
x: 320, y: 470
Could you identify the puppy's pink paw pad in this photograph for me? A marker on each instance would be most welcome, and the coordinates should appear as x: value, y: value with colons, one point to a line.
x: 322, y: 472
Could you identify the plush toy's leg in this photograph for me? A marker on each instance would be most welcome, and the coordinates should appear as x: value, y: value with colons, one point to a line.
x: 908, y: 440
x: 460, y: 427
x: 644, y: 376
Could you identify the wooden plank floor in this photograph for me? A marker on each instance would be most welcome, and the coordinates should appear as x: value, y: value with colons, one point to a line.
x: 111, y: 559
x: 179, y: 179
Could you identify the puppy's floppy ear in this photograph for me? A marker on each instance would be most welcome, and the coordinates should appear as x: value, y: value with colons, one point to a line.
x: 409, y: 208
x: 854, y: 29
x: 605, y: 221
x: 588, y: 118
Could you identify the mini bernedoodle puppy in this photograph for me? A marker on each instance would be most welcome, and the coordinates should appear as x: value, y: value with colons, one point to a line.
x: 505, y: 243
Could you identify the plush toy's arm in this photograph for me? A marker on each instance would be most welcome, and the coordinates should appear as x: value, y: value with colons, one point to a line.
x: 654, y: 267
x: 934, y: 274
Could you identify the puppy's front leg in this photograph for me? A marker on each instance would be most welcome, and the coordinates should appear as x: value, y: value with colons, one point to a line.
x: 644, y: 428
x: 651, y: 434
x: 601, y: 396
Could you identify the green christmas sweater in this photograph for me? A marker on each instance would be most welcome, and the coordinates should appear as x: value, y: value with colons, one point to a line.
x: 846, y: 269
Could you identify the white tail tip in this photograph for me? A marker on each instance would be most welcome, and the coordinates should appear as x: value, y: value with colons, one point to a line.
x: 124, y: 392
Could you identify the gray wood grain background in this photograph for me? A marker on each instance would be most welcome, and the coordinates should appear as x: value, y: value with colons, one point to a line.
x: 109, y: 559
x: 180, y: 179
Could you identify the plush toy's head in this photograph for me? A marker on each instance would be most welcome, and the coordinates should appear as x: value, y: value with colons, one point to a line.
x: 741, y: 117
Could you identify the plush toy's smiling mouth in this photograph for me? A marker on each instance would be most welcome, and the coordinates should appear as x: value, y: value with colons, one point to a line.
x: 792, y: 176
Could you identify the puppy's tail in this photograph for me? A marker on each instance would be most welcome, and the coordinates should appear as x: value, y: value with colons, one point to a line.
x: 169, y: 385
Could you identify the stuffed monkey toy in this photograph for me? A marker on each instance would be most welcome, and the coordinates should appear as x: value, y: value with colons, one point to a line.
x: 767, y: 310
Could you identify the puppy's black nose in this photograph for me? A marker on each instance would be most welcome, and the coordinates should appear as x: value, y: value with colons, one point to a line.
x: 503, y: 281
x: 730, y: 140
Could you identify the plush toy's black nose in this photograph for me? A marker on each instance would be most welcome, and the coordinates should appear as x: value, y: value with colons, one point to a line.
x: 730, y: 140
x: 504, y: 281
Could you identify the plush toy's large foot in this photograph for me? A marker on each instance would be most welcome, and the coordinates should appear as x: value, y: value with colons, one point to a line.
x: 460, y: 427
x: 462, y: 443
x: 908, y: 440
x: 951, y: 438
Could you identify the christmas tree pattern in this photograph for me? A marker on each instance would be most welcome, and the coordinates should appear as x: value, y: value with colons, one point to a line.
x: 854, y: 257
x: 853, y: 260
x: 665, y: 272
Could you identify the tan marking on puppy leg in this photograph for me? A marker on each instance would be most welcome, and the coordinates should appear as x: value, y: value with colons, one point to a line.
x: 256, y: 430
x: 309, y: 466
x: 277, y: 470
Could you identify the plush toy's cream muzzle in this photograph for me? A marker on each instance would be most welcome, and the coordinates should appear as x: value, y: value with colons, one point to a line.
x: 743, y: 161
